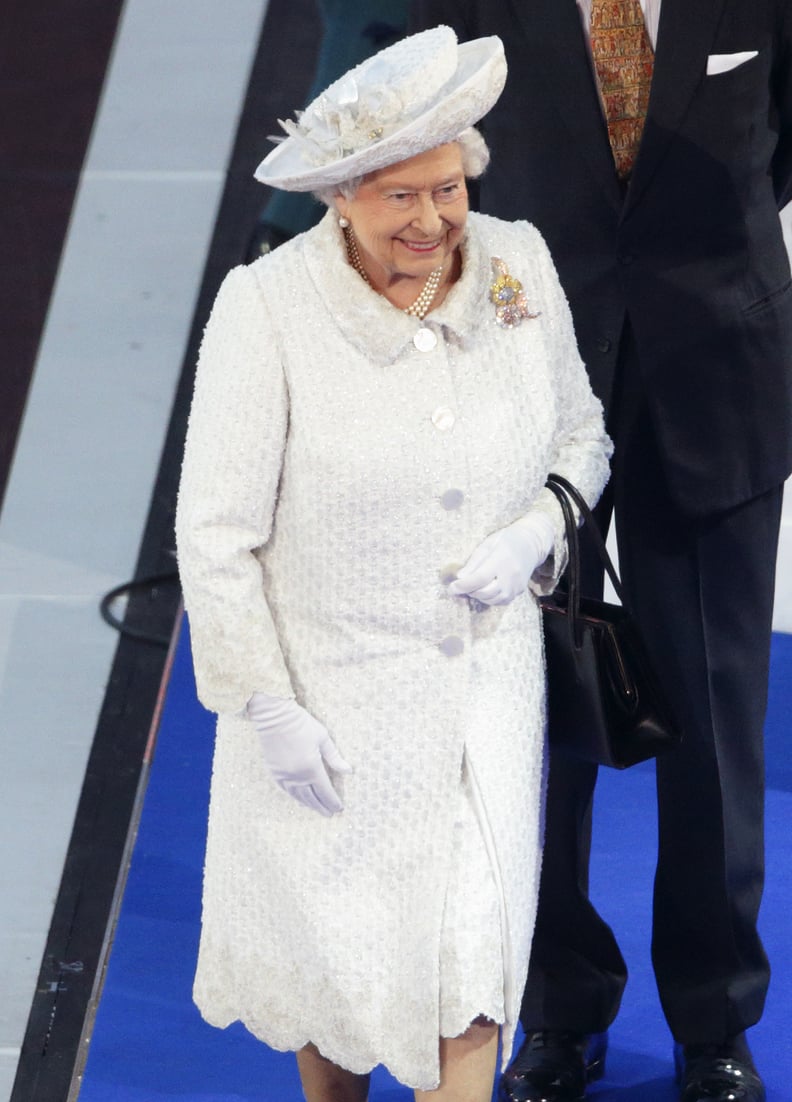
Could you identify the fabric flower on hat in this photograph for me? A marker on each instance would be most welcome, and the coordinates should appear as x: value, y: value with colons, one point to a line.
x: 344, y: 120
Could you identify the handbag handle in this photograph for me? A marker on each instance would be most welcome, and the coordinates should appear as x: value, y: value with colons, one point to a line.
x: 566, y: 492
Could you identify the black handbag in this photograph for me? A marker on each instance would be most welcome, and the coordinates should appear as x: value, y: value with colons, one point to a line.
x: 604, y: 702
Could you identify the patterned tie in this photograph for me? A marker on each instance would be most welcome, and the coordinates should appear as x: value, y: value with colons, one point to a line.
x: 623, y: 61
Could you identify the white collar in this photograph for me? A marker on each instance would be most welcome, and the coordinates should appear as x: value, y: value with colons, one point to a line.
x: 372, y: 324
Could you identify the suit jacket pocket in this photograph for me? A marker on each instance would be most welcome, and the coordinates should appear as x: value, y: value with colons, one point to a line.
x: 727, y: 79
x: 724, y: 63
x: 769, y: 301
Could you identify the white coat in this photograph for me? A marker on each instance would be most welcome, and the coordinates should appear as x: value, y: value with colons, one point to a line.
x: 335, y: 476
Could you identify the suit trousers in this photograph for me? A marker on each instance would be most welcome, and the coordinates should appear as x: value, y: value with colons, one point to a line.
x: 702, y: 589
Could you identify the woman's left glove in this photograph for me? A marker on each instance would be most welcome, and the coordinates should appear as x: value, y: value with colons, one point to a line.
x: 298, y: 750
x: 501, y: 566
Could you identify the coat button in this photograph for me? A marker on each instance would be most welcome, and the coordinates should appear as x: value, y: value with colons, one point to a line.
x: 452, y: 499
x: 443, y: 419
x: 425, y: 340
x: 604, y: 344
x: 626, y: 258
x: 452, y: 646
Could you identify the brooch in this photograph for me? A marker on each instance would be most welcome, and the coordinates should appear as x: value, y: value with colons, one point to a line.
x: 507, y: 294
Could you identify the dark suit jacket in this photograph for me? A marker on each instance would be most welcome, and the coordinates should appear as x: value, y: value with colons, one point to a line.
x: 694, y: 253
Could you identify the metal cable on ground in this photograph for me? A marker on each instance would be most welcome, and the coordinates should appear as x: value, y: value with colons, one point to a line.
x: 138, y: 585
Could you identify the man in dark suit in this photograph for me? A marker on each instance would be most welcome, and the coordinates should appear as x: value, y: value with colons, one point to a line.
x: 680, y: 288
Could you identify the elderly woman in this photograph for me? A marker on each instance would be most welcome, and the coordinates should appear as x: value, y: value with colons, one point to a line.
x: 363, y: 533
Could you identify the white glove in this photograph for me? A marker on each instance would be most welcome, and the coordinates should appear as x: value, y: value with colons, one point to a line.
x: 297, y: 750
x: 501, y: 566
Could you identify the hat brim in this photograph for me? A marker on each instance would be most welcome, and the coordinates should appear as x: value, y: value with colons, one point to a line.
x: 474, y: 88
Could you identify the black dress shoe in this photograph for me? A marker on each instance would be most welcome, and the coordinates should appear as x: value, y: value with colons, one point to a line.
x: 554, y: 1066
x: 718, y: 1073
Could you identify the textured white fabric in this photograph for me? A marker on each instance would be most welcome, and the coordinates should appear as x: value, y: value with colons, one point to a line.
x: 471, y: 953
x: 325, y: 504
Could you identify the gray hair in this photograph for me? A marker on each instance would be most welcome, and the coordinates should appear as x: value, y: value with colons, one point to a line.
x: 475, y: 158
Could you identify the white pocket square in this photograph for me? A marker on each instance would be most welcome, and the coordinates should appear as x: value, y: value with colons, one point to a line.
x: 722, y: 63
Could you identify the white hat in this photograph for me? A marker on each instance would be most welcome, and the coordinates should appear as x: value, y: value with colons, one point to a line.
x: 412, y: 96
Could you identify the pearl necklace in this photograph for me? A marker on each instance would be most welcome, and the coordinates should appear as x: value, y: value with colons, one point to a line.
x: 420, y: 308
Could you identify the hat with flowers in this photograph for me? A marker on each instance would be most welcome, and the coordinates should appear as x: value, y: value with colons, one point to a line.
x: 419, y: 93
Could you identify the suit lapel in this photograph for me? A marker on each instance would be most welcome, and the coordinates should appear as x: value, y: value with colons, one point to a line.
x: 684, y: 38
x: 559, y: 53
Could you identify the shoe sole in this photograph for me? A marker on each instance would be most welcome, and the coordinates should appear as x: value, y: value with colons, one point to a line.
x: 595, y: 1070
x: 595, y: 1066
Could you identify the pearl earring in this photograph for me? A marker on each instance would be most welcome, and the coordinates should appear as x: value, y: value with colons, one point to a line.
x: 343, y: 223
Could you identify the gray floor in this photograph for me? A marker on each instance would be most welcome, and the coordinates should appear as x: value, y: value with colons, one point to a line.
x: 94, y: 427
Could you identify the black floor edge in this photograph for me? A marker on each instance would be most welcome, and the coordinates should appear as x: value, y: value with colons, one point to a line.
x: 84, y: 906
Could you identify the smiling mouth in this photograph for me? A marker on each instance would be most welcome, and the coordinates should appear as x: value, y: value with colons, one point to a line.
x: 420, y: 246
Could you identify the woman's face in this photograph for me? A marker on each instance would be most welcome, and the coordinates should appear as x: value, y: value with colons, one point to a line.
x: 410, y: 217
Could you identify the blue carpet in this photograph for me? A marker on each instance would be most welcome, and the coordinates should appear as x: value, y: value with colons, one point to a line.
x: 150, y: 1044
